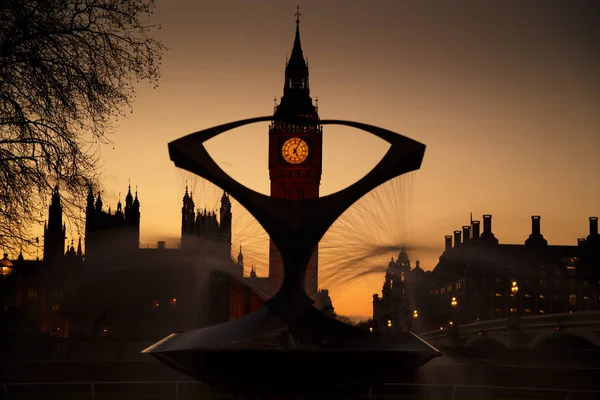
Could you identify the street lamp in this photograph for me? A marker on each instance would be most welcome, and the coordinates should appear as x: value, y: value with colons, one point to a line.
x: 515, y: 290
x: 454, y: 304
x: 415, y: 314
x: 389, y: 323
x: 6, y: 267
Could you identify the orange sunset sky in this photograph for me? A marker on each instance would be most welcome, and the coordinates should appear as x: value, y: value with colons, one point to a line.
x: 506, y: 96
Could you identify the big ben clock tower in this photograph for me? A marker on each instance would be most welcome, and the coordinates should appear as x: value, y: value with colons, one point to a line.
x: 295, y: 153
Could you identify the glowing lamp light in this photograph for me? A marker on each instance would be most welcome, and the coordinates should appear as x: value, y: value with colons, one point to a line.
x: 371, y: 329
x: 6, y: 267
x: 451, y: 323
x: 389, y: 323
x: 415, y: 314
x: 454, y: 302
x: 515, y: 288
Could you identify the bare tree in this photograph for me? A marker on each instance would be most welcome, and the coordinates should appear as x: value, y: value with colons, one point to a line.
x: 67, y: 71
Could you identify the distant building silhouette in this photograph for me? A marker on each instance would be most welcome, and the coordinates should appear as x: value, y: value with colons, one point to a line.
x: 479, y: 279
x: 402, y: 290
x: 119, y: 231
x: 122, y: 290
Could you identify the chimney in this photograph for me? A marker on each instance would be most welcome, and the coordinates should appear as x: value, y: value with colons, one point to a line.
x: 475, y: 229
x: 456, y: 238
x: 535, y: 224
x: 466, y: 233
x: 448, y: 242
x: 161, y: 245
x: 487, y: 224
x: 593, y: 226
x: 580, y: 241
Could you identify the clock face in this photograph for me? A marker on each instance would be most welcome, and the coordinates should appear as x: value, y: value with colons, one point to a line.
x: 295, y: 150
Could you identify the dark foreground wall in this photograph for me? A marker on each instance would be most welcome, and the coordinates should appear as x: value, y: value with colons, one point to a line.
x: 459, y: 374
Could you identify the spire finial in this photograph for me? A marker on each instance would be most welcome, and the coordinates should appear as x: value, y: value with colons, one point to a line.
x: 298, y: 14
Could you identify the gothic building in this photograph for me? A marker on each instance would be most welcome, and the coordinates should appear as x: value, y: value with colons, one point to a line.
x: 198, y: 227
x: 118, y: 231
x: 401, y: 292
x: 478, y: 278
x: 121, y: 290
x: 33, y: 294
x: 295, y: 153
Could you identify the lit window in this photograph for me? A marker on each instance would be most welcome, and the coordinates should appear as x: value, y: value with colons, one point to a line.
x: 32, y: 294
x: 572, y: 300
x: 542, y: 296
x: 542, y: 311
x: 173, y: 301
x: 155, y: 303
x: 514, y: 310
x: 55, y: 307
x: 498, y: 295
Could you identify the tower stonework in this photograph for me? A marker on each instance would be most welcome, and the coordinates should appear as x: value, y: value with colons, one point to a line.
x: 295, y: 153
x: 54, y: 230
x: 204, y: 230
x: 111, y: 234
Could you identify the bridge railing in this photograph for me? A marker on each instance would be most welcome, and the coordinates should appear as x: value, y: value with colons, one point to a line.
x: 180, y: 390
x: 575, y: 319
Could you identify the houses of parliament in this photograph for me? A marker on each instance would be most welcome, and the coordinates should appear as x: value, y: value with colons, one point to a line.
x: 117, y: 289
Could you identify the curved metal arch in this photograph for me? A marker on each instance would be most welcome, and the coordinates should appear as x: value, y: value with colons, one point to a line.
x: 296, y: 226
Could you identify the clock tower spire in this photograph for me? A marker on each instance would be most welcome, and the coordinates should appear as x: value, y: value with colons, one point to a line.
x: 295, y: 152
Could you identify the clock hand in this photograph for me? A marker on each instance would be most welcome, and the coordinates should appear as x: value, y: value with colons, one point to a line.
x: 297, y: 146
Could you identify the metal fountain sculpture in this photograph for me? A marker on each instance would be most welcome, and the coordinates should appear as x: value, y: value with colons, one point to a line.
x: 312, y: 349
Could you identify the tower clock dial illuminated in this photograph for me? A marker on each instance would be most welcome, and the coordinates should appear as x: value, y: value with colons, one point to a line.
x: 294, y: 150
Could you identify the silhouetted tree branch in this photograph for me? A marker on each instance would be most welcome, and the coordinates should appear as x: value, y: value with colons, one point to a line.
x: 67, y: 70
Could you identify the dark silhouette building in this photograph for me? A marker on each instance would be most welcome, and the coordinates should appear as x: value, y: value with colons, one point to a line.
x: 118, y: 231
x: 121, y: 290
x: 202, y: 226
x: 54, y: 229
x: 402, y: 290
x: 478, y: 278
x: 295, y: 153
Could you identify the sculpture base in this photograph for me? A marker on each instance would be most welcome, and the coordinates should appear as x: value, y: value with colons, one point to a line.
x: 260, y: 351
x: 294, y: 370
